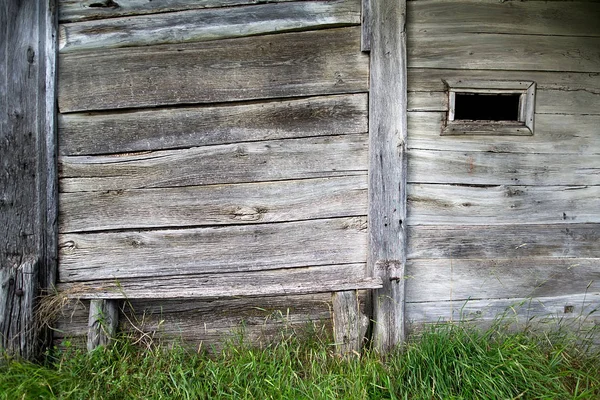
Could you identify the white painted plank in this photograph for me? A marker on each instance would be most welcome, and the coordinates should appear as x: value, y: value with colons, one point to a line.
x: 504, y: 204
x: 137, y: 254
x: 207, y: 24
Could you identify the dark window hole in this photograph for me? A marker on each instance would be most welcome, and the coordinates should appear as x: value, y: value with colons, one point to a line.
x: 486, y: 107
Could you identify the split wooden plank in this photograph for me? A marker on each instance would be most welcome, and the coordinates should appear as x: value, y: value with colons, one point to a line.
x: 178, y: 252
x: 81, y: 10
x: 504, y: 204
x: 233, y: 163
x: 165, y: 128
x: 503, y: 52
x: 545, y: 310
x: 479, y: 168
x: 554, y: 134
x: 447, y: 279
x: 102, y: 323
x: 252, y: 203
x: 207, y: 24
x: 349, y: 323
x: 278, y: 282
x: 272, y: 66
x: 577, y: 18
x: 505, y: 241
x: 387, y: 169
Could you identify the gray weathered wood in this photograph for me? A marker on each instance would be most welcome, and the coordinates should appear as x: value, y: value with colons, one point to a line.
x: 102, y: 323
x: 284, y: 65
x: 267, y: 283
x: 207, y: 24
x: 503, y: 52
x: 387, y: 169
x: 478, y: 168
x: 135, y: 254
x: 233, y: 163
x: 27, y: 170
x: 475, y: 205
x: 505, y: 241
x: 214, y: 205
x: 349, y: 324
x: 164, y: 128
x: 572, y: 135
x: 365, y: 39
x: 574, y: 18
x: 80, y: 10
x: 448, y: 279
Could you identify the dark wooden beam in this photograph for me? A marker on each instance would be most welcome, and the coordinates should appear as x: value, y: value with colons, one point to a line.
x: 387, y: 169
x: 27, y: 169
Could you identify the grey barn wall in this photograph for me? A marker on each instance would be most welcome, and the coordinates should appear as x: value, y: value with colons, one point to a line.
x: 205, y: 147
x: 504, y: 224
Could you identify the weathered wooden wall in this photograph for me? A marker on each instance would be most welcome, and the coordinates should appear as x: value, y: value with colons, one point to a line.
x: 503, y: 223
x: 206, y: 148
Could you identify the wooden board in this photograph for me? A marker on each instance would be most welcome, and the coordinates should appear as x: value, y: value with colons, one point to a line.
x: 233, y: 163
x: 475, y: 205
x: 574, y: 18
x: 479, y: 168
x: 503, y: 52
x: 137, y: 254
x: 447, y: 279
x: 214, y: 205
x: 554, y: 134
x: 284, y: 65
x: 505, y: 241
x: 80, y: 10
x: 278, y: 282
x: 165, y: 128
x: 207, y: 24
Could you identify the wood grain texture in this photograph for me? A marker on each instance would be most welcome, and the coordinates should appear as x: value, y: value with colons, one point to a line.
x: 251, y: 203
x: 447, y: 279
x: 233, y: 163
x: 349, y: 324
x: 283, y: 65
x: 387, y: 169
x: 81, y: 10
x: 102, y: 323
x: 503, y: 204
x: 554, y: 134
x: 207, y: 24
x: 478, y: 168
x: 165, y: 128
x: 576, y: 18
x: 505, y: 241
x: 278, y: 282
x: 365, y: 39
x: 503, y: 52
x: 137, y: 254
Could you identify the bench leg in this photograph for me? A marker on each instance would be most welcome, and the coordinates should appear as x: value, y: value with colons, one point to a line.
x: 349, y: 325
x: 102, y: 322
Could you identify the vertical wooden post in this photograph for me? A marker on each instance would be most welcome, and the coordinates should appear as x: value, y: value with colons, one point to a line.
x: 349, y: 325
x: 387, y: 169
x: 102, y: 323
x: 365, y: 37
x: 27, y: 169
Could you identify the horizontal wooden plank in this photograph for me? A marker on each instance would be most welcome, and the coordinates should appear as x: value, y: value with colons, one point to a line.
x: 80, y: 10
x: 479, y: 168
x: 277, y: 282
x: 165, y: 128
x: 554, y: 134
x: 137, y: 254
x: 503, y: 52
x: 505, y: 241
x: 503, y: 204
x: 549, y: 311
x: 447, y: 279
x: 284, y: 65
x: 207, y: 24
x: 249, y: 203
x: 232, y: 163
x: 575, y: 18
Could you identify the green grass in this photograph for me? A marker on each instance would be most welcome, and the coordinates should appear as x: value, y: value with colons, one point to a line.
x: 444, y: 362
